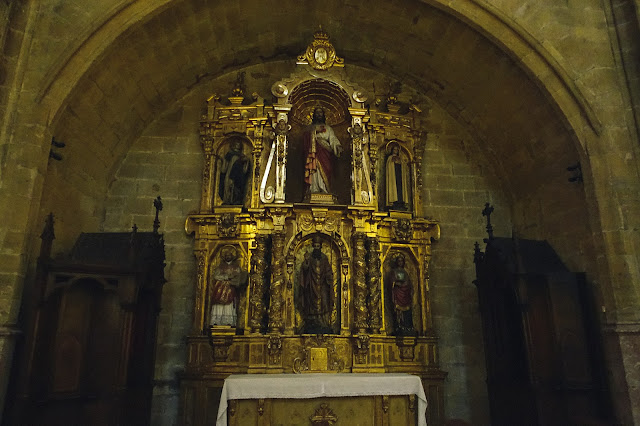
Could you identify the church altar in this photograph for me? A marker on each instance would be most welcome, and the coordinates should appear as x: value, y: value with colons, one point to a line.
x: 312, y: 251
x: 311, y: 386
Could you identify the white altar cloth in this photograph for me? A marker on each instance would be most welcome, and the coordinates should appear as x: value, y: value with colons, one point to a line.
x: 303, y: 386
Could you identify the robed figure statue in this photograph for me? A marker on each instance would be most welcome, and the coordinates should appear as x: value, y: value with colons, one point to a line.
x: 321, y: 148
x: 316, y: 298
x: 401, y: 290
x: 398, y: 181
x: 234, y: 174
x: 226, y: 281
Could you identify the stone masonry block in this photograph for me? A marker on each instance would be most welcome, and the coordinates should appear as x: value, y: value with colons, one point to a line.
x: 445, y: 198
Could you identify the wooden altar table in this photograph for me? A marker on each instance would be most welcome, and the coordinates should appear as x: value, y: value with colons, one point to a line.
x: 378, y: 396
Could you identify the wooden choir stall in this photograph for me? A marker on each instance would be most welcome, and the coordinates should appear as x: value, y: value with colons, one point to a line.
x: 312, y: 257
x: 89, y: 349
x: 542, y: 347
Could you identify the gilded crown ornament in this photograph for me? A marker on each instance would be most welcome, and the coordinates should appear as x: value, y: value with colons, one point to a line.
x: 320, y: 53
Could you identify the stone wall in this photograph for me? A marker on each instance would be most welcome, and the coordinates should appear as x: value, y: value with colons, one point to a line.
x: 97, y: 73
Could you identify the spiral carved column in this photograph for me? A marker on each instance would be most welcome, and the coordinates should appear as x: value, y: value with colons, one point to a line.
x: 360, y: 284
x: 276, y: 304
x: 257, y: 282
x: 373, y: 267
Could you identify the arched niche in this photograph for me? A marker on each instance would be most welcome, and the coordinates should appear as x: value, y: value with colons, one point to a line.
x: 299, y: 251
x: 396, y: 171
x: 334, y: 100
x: 411, y: 266
x: 223, y: 270
x: 233, y: 171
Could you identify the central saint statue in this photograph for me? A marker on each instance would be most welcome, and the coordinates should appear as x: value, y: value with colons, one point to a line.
x: 321, y: 147
x: 316, y: 290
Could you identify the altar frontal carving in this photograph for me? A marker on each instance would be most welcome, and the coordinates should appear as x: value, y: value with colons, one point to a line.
x: 313, y: 249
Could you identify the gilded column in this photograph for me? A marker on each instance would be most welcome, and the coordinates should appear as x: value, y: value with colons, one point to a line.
x: 374, y: 301
x: 418, y: 152
x: 373, y: 161
x: 206, y: 201
x: 282, y: 129
x: 199, y: 320
x: 360, y: 284
x: 276, y: 302
x: 257, y: 283
x: 427, y: 298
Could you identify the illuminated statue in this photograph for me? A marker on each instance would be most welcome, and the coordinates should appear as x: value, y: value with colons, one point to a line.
x: 321, y: 147
x: 234, y: 174
x: 401, y: 291
x: 316, y: 290
x: 226, y: 281
x: 398, y: 180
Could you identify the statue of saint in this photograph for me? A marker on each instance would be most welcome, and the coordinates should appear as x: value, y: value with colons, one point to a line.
x: 234, y: 175
x: 401, y: 292
x: 316, y: 298
x: 321, y: 148
x: 398, y: 181
x: 226, y: 281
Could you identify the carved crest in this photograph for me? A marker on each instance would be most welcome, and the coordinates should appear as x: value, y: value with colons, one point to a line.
x: 402, y: 230
x: 323, y: 416
x: 361, y: 348
x: 228, y: 226
x: 320, y: 54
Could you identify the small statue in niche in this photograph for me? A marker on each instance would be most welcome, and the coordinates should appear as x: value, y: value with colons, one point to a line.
x: 398, y: 179
x: 225, y: 284
x: 234, y: 175
x: 400, y: 290
x: 316, y: 298
x: 321, y: 148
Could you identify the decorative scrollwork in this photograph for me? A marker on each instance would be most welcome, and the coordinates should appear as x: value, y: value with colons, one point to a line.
x: 228, y: 226
x: 206, y: 171
x: 323, y: 416
x: 361, y: 348
x: 220, y: 347
x: 269, y: 194
x: 406, y: 346
x: 319, y: 222
x: 274, y: 348
x: 402, y: 230
x: 305, y: 222
x: 331, y: 223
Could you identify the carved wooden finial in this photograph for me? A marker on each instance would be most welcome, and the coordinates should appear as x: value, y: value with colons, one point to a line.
x: 488, y: 209
x: 478, y: 256
x: 157, y: 203
x: 47, y: 237
x: 47, y: 232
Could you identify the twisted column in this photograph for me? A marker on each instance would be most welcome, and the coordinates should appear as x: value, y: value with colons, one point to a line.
x: 276, y: 303
x: 257, y: 283
x: 373, y: 268
x: 360, y: 284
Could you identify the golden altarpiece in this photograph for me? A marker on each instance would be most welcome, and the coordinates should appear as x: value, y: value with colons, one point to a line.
x: 312, y: 251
